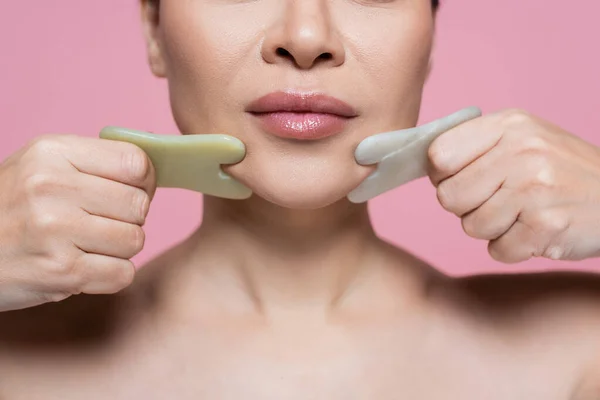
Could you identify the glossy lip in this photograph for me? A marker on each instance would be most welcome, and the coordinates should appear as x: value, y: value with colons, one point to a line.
x: 301, y: 115
x: 301, y: 103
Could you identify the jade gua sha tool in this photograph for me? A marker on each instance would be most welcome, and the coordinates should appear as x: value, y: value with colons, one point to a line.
x: 401, y: 155
x: 194, y: 161
x: 189, y: 161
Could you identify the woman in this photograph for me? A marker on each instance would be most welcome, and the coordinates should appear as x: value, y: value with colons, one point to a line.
x: 289, y: 294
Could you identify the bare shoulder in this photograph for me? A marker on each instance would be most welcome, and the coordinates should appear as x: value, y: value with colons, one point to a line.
x: 80, y: 320
x: 557, y: 313
x: 84, y: 319
x: 538, y: 301
x: 507, y: 291
x: 547, y: 308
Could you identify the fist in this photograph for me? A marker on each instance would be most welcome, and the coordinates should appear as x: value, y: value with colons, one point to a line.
x: 525, y: 185
x: 71, y: 217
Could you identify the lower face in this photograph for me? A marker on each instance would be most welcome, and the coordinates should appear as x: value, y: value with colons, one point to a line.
x: 222, y: 55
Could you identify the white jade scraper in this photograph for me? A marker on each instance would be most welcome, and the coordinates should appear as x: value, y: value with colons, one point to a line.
x: 401, y: 155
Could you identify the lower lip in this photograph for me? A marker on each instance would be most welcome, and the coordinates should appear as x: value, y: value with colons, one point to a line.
x: 302, y: 126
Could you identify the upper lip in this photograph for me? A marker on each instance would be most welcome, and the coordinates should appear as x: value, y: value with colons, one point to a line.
x: 301, y: 102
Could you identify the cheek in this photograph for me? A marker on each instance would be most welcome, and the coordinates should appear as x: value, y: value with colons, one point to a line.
x: 203, y: 56
x: 393, y: 58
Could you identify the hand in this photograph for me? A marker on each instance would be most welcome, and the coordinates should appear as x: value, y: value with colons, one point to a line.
x: 528, y: 187
x: 71, y: 217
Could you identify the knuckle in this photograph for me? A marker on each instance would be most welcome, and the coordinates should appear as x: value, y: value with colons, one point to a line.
x: 62, y: 266
x: 534, y: 144
x: 515, y: 117
x: 44, y: 221
x: 136, y: 238
x: 438, y: 156
x: 470, y: 225
x: 553, y: 253
x: 59, y: 269
x: 42, y: 142
x: 536, y: 192
x: 496, y: 253
x: 54, y: 297
x: 548, y: 221
x: 141, y: 205
x: 135, y: 163
x: 45, y: 145
x: 542, y: 174
x: 446, y: 196
x: 480, y: 224
x: 63, y: 277
x: 40, y: 184
x: 74, y: 271
x: 124, y: 275
x: 500, y: 251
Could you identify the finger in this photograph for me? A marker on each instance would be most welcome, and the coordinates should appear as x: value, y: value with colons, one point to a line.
x: 514, y: 246
x: 532, y: 235
x: 108, y: 237
x: 494, y: 217
x: 105, y: 198
x: 103, y: 274
x: 517, y: 195
x: 120, y: 162
x: 460, y: 146
x: 374, y: 148
x: 475, y: 184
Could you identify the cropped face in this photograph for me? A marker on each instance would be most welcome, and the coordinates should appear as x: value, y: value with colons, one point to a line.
x: 300, y: 82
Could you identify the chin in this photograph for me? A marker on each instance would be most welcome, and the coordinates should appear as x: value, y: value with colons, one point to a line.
x: 300, y: 180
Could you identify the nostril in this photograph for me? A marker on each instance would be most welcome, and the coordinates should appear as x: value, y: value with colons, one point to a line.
x: 283, y: 52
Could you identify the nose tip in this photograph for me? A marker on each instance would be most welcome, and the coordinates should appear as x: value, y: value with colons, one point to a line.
x: 303, y: 36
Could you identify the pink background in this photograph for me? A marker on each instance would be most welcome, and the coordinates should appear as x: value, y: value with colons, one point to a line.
x: 73, y: 66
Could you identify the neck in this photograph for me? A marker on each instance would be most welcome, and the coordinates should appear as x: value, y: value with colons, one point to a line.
x: 278, y: 257
x: 254, y: 257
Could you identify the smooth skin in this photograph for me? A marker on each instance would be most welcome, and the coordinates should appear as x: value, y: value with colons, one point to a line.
x: 289, y: 294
